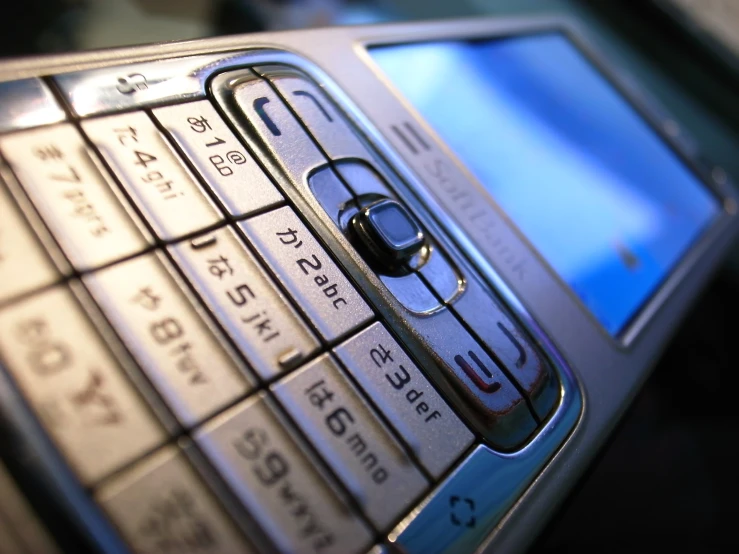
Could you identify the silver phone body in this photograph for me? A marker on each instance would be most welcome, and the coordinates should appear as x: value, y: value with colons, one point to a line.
x: 599, y: 374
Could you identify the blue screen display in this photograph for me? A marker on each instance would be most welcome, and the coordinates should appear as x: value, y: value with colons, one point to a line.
x: 603, y: 199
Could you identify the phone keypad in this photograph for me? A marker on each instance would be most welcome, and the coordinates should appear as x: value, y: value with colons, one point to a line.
x: 301, y: 264
x: 193, y: 369
x: 269, y: 380
x: 270, y: 121
x: 516, y: 355
x: 75, y: 385
x: 256, y: 315
x: 162, y: 187
x: 311, y: 106
x: 474, y: 374
x: 272, y: 474
x: 355, y: 443
x: 225, y: 165
x: 161, y: 505
x: 413, y: 407
x: 77, y: 202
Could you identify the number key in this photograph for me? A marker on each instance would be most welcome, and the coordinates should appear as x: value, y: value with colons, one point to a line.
x: 75, y: 199
x: 162, y: 187
x: 221, y: 160
x: 75, y: 385
x: 194, y: 371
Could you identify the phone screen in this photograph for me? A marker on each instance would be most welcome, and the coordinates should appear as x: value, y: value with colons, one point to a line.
x: 607, y: 204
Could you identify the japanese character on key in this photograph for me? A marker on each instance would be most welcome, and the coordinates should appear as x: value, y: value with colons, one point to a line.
x: 147, y: 299
x: 46, y: 153
x: 289, y: 237
x: 218, y: 267
x: 97, y: 406
x: 125, y: 134
x: 318, y: 394
x: 380, y: 355
x: 199, y: 124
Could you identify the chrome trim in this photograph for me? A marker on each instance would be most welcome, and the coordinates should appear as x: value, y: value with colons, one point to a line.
x: 536, y: 454
x: 27, y: 103
x: 137, y: 85
x: 113, y: 89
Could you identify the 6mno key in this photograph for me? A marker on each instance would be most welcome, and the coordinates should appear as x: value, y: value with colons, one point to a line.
x: 353, y: 441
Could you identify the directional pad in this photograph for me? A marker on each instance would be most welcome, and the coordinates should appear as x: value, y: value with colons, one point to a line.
x: 389, y: 232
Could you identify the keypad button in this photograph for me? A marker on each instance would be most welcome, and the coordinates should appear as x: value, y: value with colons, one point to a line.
x: 161, y: 506
x: 76, y: 201
x: 225, y: 165
x: 488, y: 396
x: 362, y: 179
x: 256, y: 315
x: 404, y: 396
x: 269, y: 119
x: 442, y: 276
x: 317, y: 112
x: 161, y: 186
x: 280, y: 487
x: 411, y: 292
x: 519, y: 357
x: 305, y: 269
x: 352, y: 440
x: 464, y: 508
x: 193, y: 371
x: 388, y: 233
x: 330, y: 192
x: 24, y: 266
x: 75, y: 385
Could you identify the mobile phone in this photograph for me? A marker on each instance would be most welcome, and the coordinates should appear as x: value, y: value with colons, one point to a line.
x: 381, y: 288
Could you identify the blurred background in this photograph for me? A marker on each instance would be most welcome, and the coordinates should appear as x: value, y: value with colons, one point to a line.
x: 667, y: 476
